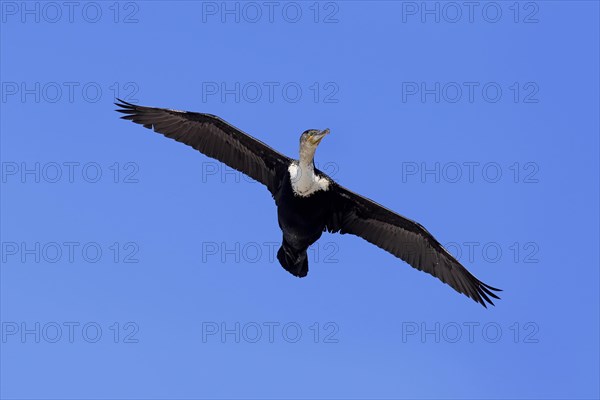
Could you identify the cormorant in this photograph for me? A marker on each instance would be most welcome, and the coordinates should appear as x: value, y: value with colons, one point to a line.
x: 308, y: 201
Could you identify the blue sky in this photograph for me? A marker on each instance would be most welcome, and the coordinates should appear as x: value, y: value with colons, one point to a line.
x: 135, y: 267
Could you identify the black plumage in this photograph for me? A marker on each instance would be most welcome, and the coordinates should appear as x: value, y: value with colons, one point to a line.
x: 303, y: 219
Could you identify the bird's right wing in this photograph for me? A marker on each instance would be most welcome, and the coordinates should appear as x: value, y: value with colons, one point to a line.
x: 404, y: 238
x: 215, y: 138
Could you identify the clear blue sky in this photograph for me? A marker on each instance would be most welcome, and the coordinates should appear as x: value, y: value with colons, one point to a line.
x: 135, y: 267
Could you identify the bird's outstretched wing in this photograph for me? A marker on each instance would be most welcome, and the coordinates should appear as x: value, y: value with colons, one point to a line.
x: 213, y: 137
x: 406, y: 239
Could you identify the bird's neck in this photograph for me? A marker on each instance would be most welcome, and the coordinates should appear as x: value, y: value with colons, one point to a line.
x: 304, y: 180
x: 303, y: 177
x: 307, y: 155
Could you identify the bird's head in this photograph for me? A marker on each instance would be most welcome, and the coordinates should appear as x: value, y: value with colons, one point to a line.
x: 312, y: 137
x: 309, y: 140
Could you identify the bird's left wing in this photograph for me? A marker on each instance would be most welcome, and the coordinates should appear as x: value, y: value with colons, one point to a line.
x: 213, y: 137
x: 404, y: 238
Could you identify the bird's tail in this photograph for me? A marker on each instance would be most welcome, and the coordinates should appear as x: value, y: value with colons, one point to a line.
x: 294, y: 261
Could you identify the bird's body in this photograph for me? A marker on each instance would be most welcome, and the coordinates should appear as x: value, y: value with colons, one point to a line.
x: 302, y: 212
x: 309, y: 202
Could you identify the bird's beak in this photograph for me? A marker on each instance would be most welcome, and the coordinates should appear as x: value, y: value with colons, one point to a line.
x: 316, y: 139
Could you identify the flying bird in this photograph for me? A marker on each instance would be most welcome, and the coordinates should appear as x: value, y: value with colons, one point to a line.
x: 308, y: 201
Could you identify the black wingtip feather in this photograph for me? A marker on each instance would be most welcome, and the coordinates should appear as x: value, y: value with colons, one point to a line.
x: 485, y: 292
x: 491, y: 287
x: 122, y: 103
x: 126, y: 108
x: 489, y: 292
x: 484, y: 296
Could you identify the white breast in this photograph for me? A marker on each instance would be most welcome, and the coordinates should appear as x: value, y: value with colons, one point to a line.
x: 304, y: 180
